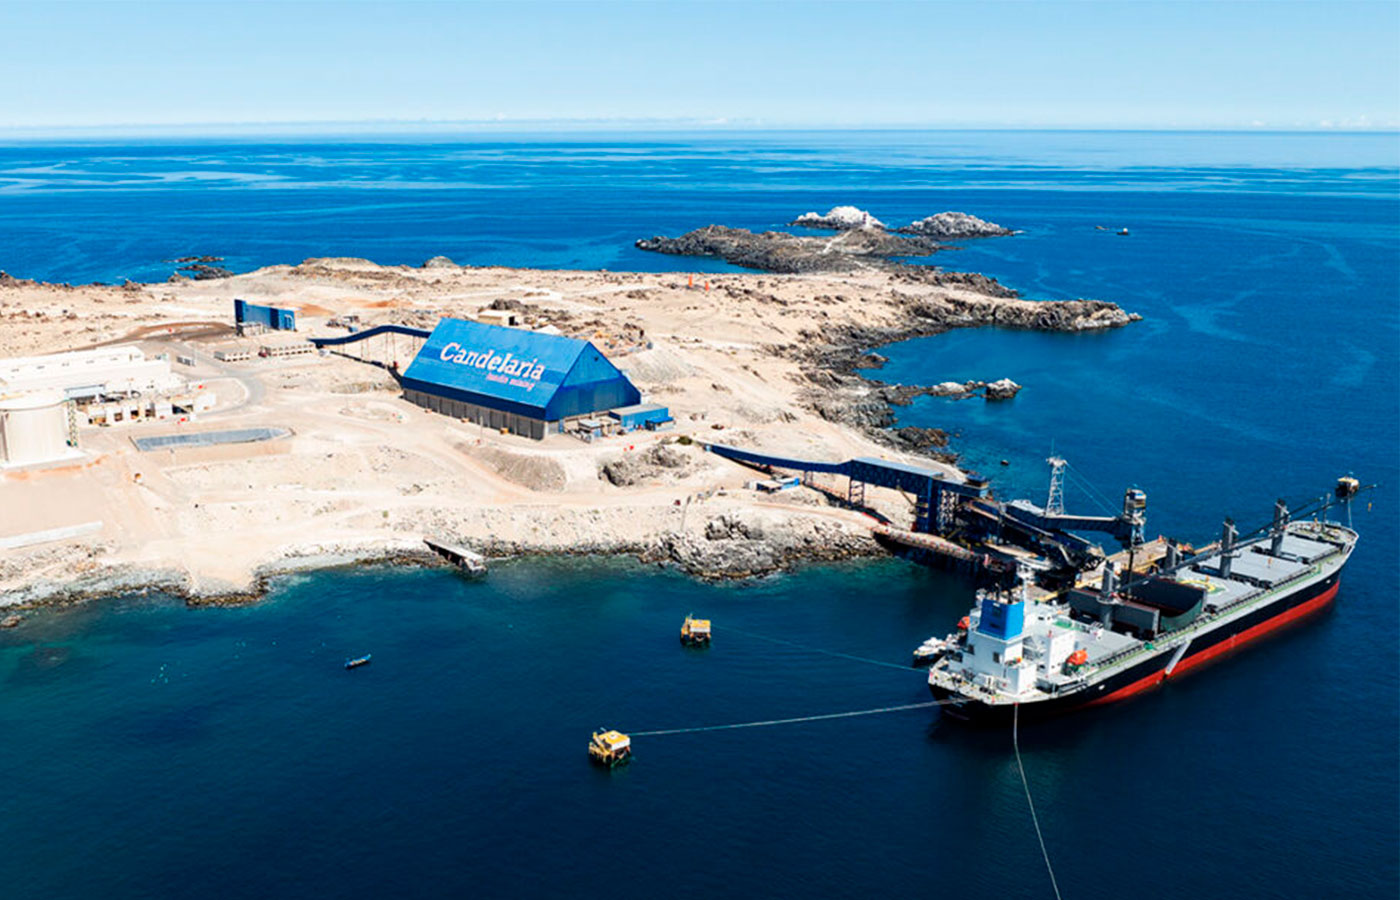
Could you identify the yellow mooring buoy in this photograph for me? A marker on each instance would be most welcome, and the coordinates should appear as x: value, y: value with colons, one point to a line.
x: 610, y: 748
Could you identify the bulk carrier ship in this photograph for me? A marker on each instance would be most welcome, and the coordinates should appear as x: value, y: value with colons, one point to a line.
x: 1026, y: 651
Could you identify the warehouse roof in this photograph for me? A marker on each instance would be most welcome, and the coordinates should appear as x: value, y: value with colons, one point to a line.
x: 542, y: 376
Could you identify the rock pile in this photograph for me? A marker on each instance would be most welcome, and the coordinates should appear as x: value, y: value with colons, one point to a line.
x: 1003, y: 389
x: 735, y: 545
x: 954, y: 225
x: 635, y: 468
x: 840, y: 218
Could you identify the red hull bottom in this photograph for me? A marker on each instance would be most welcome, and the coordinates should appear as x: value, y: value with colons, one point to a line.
x: 1223, y: 648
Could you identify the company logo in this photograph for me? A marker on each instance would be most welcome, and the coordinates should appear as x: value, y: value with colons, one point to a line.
x: 504, y: 368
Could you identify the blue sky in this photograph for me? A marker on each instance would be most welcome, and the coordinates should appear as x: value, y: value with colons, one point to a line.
x: 931, y: 64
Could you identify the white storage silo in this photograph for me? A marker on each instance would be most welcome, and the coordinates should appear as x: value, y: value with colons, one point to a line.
x: 33, y: 428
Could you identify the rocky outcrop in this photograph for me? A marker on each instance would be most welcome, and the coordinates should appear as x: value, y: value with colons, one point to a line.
x: 947, y: 226
x: 840, y: 218
x: 739, y: 545
x: 1004, y: 389
x: 645, y: 466
x: 918, y: 439
x: 203, y: 272
x: 971, y: 281
x: 831, y: 358
x: 776, y: 251
x: 439, y: 262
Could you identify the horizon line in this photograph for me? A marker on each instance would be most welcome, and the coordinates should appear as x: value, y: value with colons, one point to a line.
x: 501, y: 125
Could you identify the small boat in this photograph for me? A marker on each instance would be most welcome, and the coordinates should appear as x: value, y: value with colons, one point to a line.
x: 11, y: 621
x: 358, y: 661
x: 929, y: 652
x: 1123, y: 232
x: 610, y: 748
x: 695, y: 632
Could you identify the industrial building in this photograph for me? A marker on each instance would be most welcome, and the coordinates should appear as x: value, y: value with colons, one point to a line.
x: 87, y: 374
x: 277, y: 351
x: 187, y: 404
x: 508, y: 318
x: 34, y: 428
x: 651, y: 416
x: 106, y: 386
x: 522, y: 382
x: 263, y: 318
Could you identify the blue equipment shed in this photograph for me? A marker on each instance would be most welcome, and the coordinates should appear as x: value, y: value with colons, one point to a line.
x: 522, y: 381
x: 650, y: 416
x: 270, y: 317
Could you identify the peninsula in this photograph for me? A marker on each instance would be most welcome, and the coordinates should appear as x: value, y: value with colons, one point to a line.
x: 354, y: 472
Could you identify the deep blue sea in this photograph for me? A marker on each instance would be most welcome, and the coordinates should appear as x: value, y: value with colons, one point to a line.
x: 148, y: 750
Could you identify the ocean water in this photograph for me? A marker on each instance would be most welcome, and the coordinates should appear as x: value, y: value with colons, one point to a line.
x: 150, y: 750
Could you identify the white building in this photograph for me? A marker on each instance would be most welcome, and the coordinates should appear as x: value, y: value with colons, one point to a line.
x: 85, y: 374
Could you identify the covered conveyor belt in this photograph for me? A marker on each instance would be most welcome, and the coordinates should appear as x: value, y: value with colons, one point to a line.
x: 1126, y: 528
x: 377, y: 330
x: 930, y: 487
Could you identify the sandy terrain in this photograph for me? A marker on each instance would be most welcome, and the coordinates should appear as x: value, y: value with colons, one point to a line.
x: 365, y: 474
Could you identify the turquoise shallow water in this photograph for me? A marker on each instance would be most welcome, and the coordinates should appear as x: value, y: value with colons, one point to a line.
x: 152, y: 751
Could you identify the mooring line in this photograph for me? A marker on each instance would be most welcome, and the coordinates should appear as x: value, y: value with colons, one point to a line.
x: 840, y: 715
x: 1016, y: 745
x: 873, y: 662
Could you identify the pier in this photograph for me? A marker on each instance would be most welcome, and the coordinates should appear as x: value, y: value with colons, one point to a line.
x: 467, y: 560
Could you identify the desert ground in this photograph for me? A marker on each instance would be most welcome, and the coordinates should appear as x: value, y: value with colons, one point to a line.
x: 365, y: 475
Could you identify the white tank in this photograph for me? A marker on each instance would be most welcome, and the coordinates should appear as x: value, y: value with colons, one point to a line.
x: 33, y: 428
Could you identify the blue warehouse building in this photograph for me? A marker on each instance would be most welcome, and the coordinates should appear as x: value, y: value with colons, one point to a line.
x: 505, y: 378
x: 270, y: 317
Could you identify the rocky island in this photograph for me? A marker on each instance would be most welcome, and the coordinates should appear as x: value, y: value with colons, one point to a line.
x: 861, y: 241
x: 778, y: 251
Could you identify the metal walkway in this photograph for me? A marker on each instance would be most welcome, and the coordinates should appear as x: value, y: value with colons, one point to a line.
x: 934, y: 492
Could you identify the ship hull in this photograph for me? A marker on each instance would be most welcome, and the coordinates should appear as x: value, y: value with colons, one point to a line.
x: 1152, y: 672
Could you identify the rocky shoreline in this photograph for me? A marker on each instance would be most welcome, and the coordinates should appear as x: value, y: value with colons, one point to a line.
x: 838, y: 362
x: 734, y: 545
